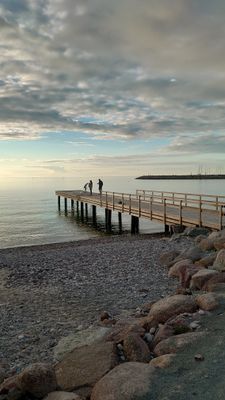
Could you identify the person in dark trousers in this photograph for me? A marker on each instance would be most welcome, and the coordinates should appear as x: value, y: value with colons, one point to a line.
x: 100, y: 185
x: 90, y: 186
x: 85, y: 186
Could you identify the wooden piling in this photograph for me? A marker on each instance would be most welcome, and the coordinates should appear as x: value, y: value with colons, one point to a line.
x: 65, y: 204
x: 82, y: 210
x: 120, y: 221
x: 108, y: 220
x: 59, y: 205
x: 134, y: 224
x: 94, y: 215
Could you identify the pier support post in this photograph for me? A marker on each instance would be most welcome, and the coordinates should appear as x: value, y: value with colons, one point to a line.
x: 65, y: 204
x: 82, y: 210
x: 167, y: 229
x: 134, y: 224
x: 94, y: 218
x: 59, y: 205
x: 108, y: 220
x: 72, y: 205
x: 77, y: 207
x: 86, y: 210
x: 120, y: 221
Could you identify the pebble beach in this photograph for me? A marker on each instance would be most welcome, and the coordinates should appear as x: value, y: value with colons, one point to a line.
x: 50, y: 291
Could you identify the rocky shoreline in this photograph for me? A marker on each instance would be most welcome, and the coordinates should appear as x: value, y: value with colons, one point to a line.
x: 52, y: 311
x: 50, y: 291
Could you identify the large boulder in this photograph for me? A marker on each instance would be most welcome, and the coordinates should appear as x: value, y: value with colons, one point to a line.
x: 194, y: 253
x: 125, y: 327
x: 78, y: 339
x: 206, y: 244
x: 218, y: 288
x: 62, y: 396
x: 219, y: 243
x: 185, y: 277
x: 136, y: 349
x: 85, y: 365
x: 208, y: 260
x: 162, y: 333
x: 219, y: 263
x: 175, y: 343
x: 210, y: 284
x: 180, y: 323
x: 201, y: 277
x: 167, y: 258
x: 170, y: 306
x: 147, y: 322
x: 128, y: 381
x: 163, y: 361
x: 178, y: 268
x: 207, y: 301
x: 37, y: 380
x: 196, y: 231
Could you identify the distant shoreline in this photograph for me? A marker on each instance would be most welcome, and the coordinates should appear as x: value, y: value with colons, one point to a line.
x: 195, y: 176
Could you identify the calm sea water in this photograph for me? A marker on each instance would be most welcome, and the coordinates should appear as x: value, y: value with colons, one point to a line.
x: 29, y: 214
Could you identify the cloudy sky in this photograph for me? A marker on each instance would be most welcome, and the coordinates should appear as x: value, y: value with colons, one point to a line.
x: 122, y: 87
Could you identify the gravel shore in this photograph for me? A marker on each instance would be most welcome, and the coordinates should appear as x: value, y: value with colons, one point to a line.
x: 50, y: 291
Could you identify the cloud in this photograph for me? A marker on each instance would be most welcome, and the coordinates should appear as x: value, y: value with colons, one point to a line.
x: 118, y: 70
x: 203, y: 143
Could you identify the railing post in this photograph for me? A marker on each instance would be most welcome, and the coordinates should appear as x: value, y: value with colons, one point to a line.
x: 185, y: 199
x: 180, y: 210
x: 164, y: 211
x: 113, y: 198
x: 200, y: 211
x: 217, y: 203
x: 151, y: 207
x: 139, y: 206
x: 162, y: 195
x: 122, y: 202
x: 173, y: 198
x: 221, y: 218
x: 101, y: 199
x: 144, y: 194
x: 129, y: 203
x: 106, y: 199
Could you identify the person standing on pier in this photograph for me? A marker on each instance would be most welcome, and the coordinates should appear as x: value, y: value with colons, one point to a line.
x: 100, y: 185
x: 90, y: 186
x: 85, y: 186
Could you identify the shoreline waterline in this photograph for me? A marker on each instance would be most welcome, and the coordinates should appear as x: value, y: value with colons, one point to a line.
x: 97, y: 239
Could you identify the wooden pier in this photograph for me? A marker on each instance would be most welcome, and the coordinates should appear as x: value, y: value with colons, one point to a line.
x: 170, y: 208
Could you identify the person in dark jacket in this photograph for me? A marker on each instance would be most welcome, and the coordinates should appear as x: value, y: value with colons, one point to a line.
x: 90, y: 186
x: 100, y: 185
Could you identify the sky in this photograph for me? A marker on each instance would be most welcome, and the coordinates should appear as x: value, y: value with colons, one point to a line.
x: 102, y: 87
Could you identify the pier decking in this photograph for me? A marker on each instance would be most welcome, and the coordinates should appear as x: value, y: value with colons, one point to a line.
x: 170, y: 208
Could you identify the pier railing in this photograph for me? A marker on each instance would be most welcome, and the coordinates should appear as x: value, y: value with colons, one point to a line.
x: 188, y: 199
x: 171, y: 208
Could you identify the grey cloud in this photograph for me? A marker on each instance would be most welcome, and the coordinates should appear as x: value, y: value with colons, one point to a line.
x: 202, y: 144
x: 112, y: 62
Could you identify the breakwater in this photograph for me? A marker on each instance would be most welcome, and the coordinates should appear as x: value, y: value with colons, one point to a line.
x: 195, y: 176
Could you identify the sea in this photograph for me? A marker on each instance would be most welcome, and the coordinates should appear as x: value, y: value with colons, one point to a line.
x: 29, y: 213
